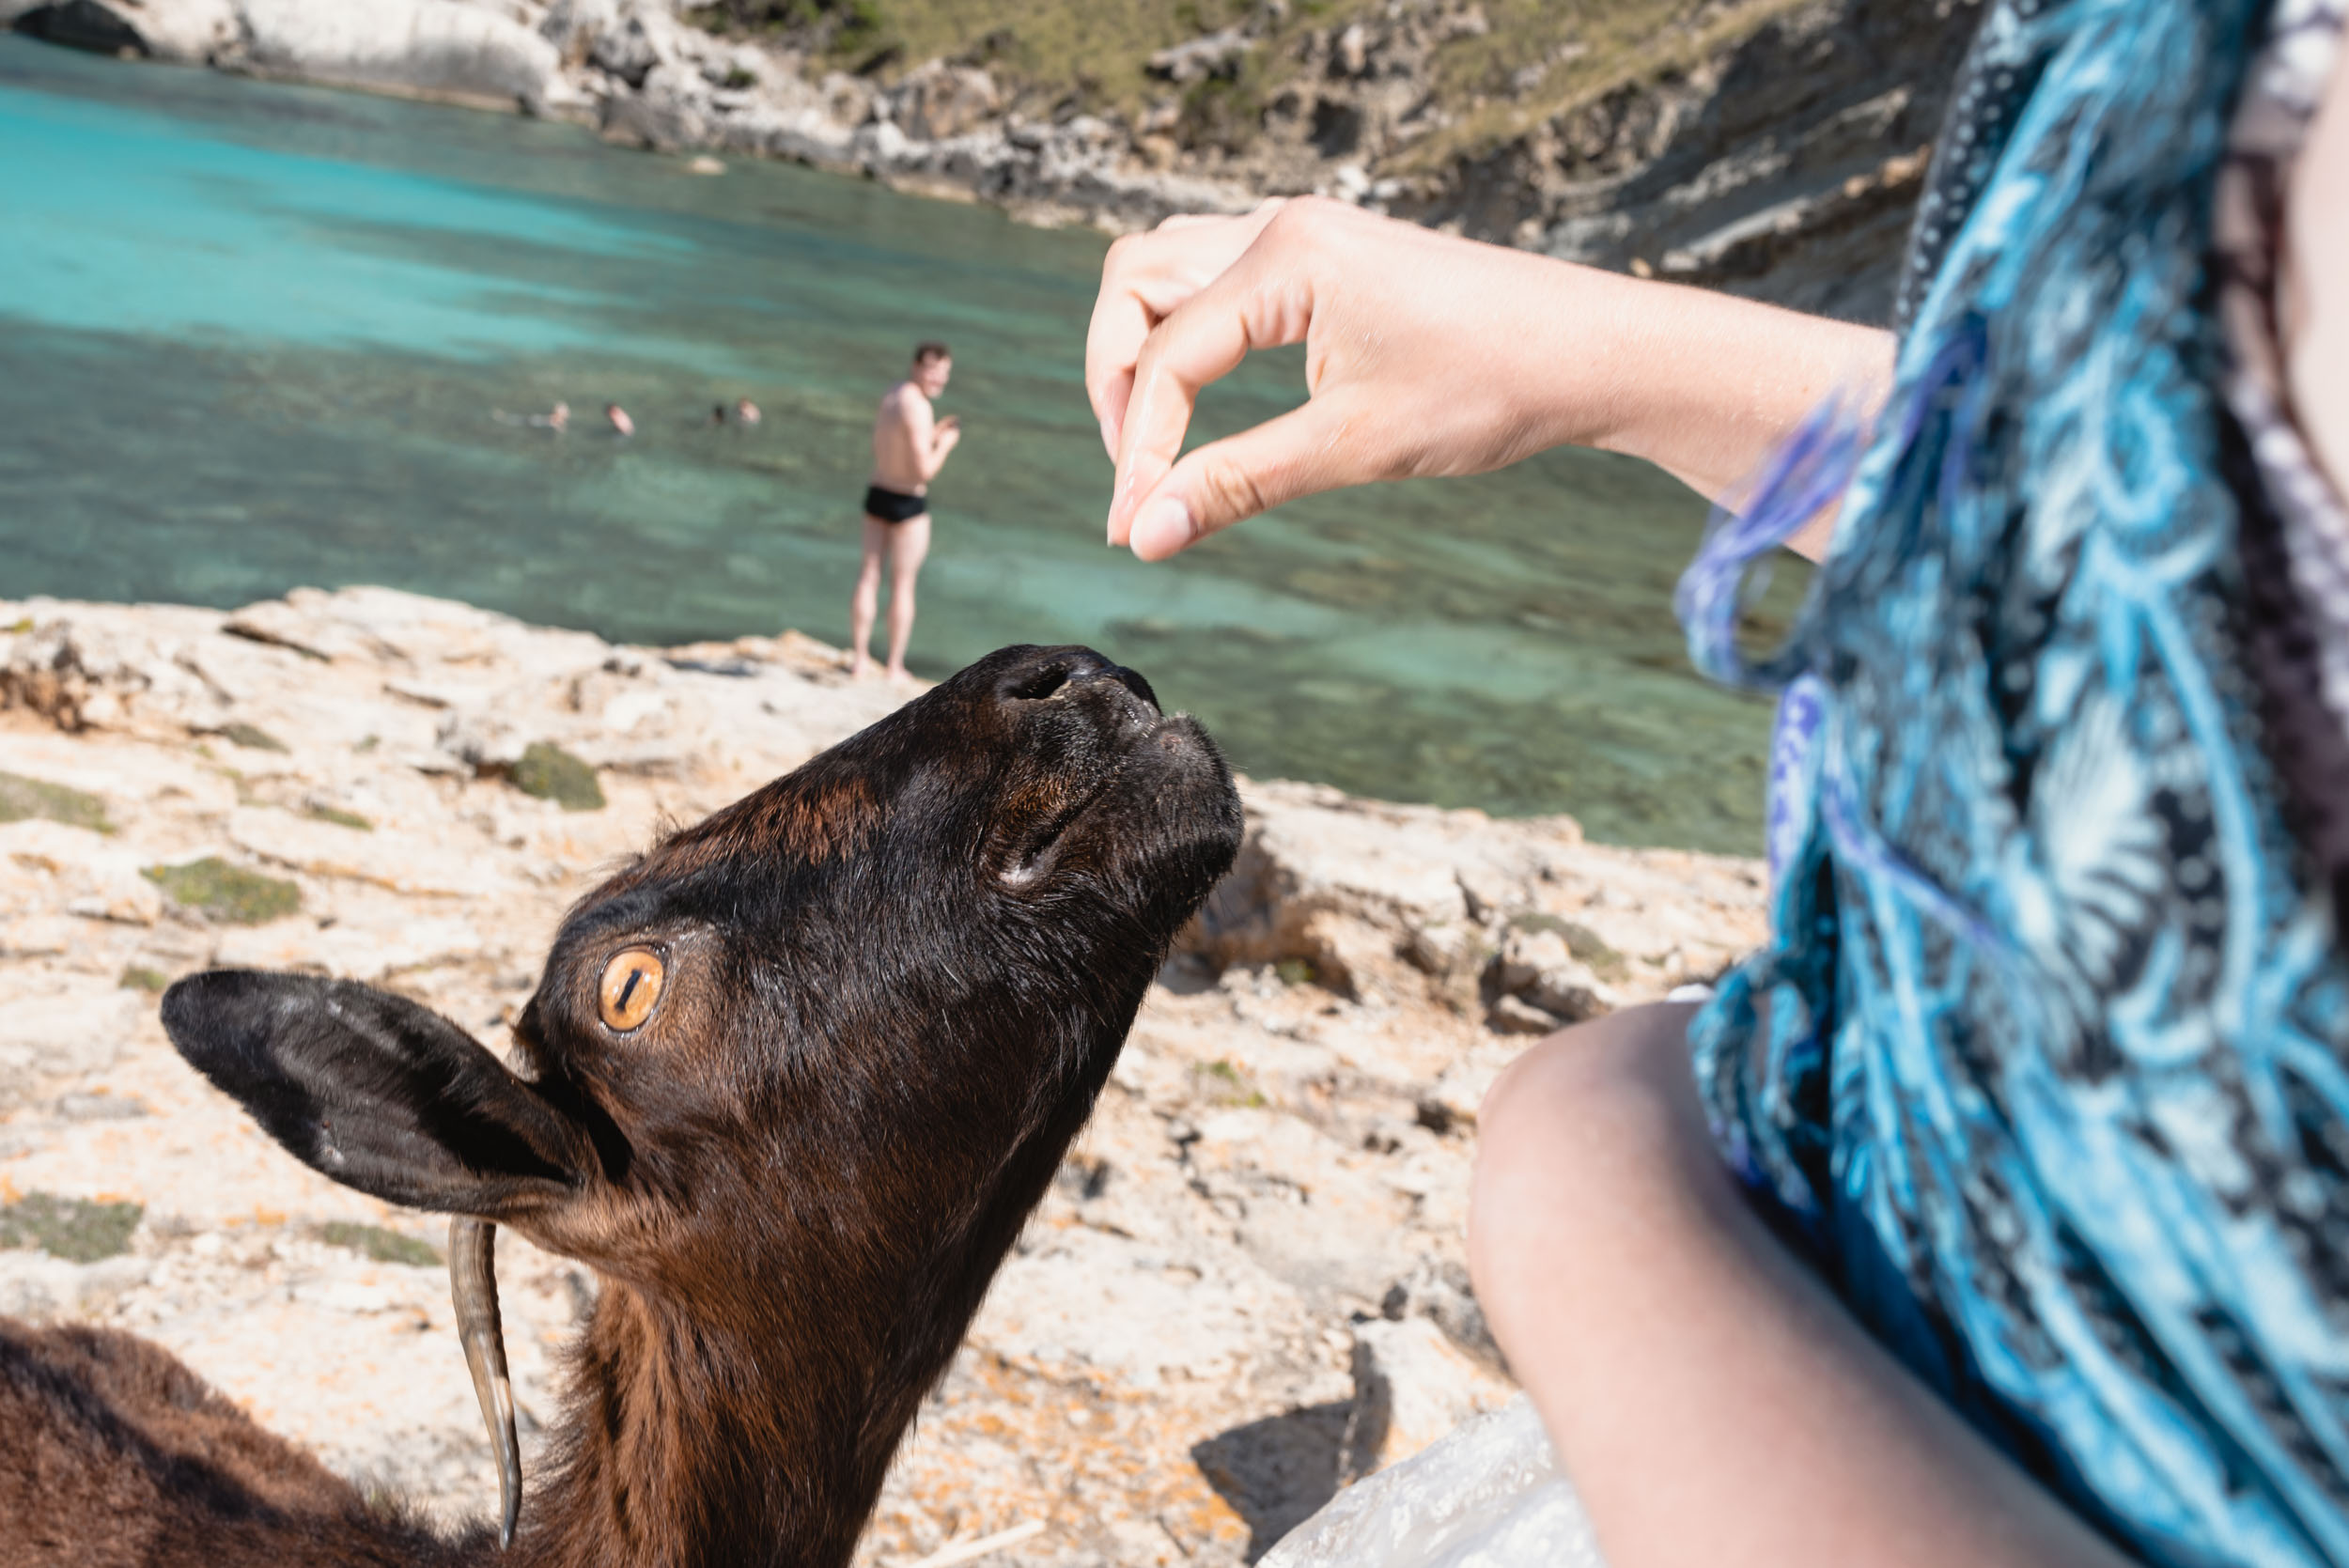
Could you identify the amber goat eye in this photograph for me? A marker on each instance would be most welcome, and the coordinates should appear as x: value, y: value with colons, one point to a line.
x: 631, y: 985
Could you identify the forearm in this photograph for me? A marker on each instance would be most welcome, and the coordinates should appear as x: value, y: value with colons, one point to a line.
x: 1708, y: 1398
x: 1699, y: 383
x: 1428, y: 355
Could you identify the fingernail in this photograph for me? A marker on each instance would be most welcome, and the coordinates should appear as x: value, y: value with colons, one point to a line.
x: 1108, y: 439
x: 1163, y: 529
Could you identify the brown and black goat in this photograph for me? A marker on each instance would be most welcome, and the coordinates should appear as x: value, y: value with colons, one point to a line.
x: 790, y: 1084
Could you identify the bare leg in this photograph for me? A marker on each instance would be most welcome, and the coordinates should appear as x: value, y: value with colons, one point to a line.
x: 910, y: 543
x: 1710, y: 1399
x: 866, y: 598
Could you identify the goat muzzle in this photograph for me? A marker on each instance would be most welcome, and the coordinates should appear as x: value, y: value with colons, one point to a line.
x: 473, y: 1284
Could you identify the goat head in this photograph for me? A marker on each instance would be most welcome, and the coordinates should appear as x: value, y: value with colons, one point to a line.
x: 790, y: 1082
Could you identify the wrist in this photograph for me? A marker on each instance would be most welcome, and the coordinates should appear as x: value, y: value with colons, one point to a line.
x: 1706, y: 385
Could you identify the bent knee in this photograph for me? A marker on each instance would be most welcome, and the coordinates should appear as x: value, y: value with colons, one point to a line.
x: 1587, y: 1079
x: 1590, y: 1123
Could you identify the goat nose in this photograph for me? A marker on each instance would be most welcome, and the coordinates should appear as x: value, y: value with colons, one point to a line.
x: 1060, y: 673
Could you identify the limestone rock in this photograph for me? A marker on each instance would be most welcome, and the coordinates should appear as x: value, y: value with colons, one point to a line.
x: 1510, y: 1015
x: 35, y: 1285
x: 1537, y: 966
x: 1079, y: 1299
x: 390, y: 860
x: 1411, y: 1385
x: 348, y: 953
x: 191, y: 31
x: 629, y: 49
x: 435, y: 47
x: 76, y: 1025
x: 1342, y: 889
x: 671, y: 111
x: 95, y: 878
x: 1212, y: 56
x: 81, y: 676
x: 941, y: 100
x: 481, y: 737
x: 305, y: 620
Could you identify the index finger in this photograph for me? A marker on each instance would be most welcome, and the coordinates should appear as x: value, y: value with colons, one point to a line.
x: 1259, y: 303
x: 1143, y: 280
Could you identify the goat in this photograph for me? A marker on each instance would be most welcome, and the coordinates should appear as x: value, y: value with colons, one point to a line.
x: 790, y: 1084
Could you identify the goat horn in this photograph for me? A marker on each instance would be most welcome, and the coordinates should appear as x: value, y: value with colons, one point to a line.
x: 473, y: 1285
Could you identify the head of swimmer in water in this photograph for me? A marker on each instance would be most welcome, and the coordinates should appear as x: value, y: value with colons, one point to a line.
x: 933, y: 364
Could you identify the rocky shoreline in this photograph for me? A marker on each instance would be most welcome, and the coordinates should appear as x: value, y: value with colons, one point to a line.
x: 1763, y: 146
x: 1246, y: 1290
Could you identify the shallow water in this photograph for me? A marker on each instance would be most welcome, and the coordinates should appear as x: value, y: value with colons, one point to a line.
x: 259, y: 336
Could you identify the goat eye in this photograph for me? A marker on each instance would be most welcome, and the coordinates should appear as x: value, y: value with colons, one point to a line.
x: 631, y: 983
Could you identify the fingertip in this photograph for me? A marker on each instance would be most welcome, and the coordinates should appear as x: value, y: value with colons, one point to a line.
x: 1164, y: 527
x: 1109, y: 438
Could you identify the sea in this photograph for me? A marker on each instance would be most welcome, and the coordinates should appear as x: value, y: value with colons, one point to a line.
x: 256, y: 334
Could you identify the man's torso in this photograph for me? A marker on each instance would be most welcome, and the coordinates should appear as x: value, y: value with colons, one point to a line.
x: 897, y: 460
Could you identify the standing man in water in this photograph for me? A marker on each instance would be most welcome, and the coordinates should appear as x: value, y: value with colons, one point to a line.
x: 910, y: 447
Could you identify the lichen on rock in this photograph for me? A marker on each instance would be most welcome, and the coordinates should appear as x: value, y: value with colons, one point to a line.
x: 226, y: 892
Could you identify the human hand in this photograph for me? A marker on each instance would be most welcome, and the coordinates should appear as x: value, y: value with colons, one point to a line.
x: 1424, y: 354
x: 1420, y: 359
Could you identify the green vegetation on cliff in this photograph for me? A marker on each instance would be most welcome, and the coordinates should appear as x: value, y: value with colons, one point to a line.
x: 1529, y: 60
x: 1541, y: 58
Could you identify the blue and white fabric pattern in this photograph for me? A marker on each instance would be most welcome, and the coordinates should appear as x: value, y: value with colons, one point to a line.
x: 2047, y: 1063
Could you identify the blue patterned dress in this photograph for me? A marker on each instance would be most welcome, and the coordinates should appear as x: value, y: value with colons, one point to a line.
x: 2047, y: 1063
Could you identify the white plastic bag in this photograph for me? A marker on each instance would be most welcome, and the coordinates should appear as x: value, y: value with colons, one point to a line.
x: 1485, y: 1495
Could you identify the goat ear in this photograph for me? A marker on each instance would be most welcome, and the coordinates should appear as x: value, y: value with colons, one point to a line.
x: 377, y: 1092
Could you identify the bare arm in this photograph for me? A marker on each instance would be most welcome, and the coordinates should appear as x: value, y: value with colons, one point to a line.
x: 2315, y: 283
x: 1712, y: 1402
x: 928, y: 438
x: 945, y: 435
x: 1427, y: 354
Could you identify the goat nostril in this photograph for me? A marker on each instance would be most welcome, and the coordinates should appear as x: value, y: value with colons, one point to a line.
x: 1040, y: 684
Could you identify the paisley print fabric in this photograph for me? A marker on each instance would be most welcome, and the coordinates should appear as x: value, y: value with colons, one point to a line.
x: 2047, y: 1063
x: 2295, y: 541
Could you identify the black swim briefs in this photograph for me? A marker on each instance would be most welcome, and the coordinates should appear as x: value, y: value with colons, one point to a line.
x: 894, y: 506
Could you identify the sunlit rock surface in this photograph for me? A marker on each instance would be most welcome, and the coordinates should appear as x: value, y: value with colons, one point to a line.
x: 1246, y: 1291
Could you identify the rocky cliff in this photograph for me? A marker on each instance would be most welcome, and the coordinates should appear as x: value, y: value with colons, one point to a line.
x: 1245, y: 1290
x: 1768, y: 146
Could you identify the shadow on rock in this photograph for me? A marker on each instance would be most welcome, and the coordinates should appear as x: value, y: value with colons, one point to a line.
x: 1276, y: 1473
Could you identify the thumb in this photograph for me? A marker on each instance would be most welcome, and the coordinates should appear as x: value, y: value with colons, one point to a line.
x: 1301, y: 453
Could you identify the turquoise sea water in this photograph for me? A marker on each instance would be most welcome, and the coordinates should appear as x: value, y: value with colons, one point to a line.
x: 254, y: 335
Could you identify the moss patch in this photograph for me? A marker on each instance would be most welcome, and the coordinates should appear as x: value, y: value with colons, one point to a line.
x: 1583, y: 942
x: 74, y: 1229
x: 138, y: 977
x: 1294, y: 971
x: 253, y: 738
x: 1221, y: 1083
x: 383, y: 1246
x: 21, y: 798
x: 551, y: 773
x: 227, y: 893
x: 339, y: 817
